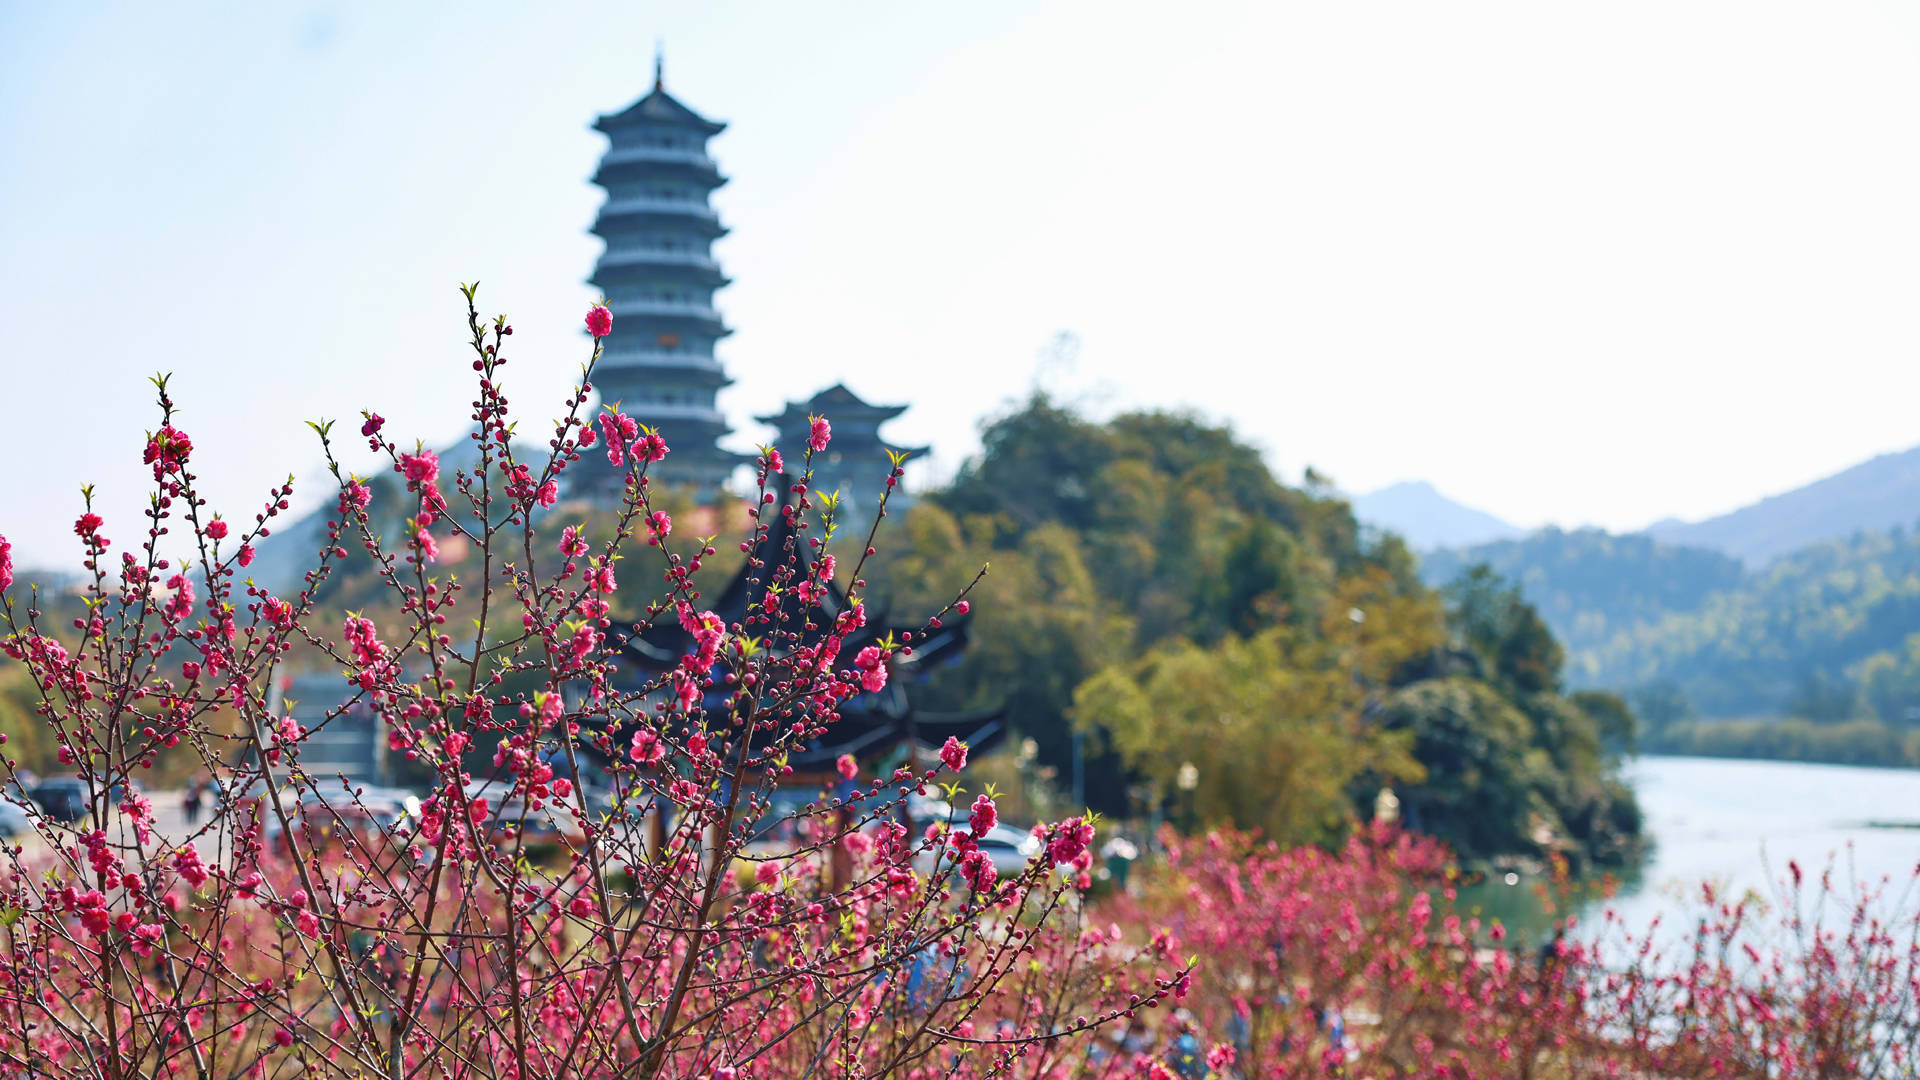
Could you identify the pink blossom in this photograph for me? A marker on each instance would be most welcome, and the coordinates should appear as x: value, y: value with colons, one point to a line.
x: 659, y: 524
x: 599, y: 321
x: 421, y: 469
x: 647, y: 749
x: 954, y: 754
x: 373, y: 425
x: 145, y: 937
x: 139, y: 809
x: 775, y: 464
x: 650, y: 447
x: 984, y: 816
x: 192, y: 870
x: 1070, y: 841
x: 548, y: 494
x: 820, y: 434
x: 217, y: 529
x: 847, y: 767
x: 573, y: 542
x: 246, y: 555
x: 979, y: 870
x: 167, y: 451
x: 873, y: 672
x: 619, y: 430
x: 6, y: 564
x: 600, y: 578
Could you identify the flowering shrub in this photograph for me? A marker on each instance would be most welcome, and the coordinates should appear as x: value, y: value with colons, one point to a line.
x: 1355, y: 962
x: 306, y: 927
x: 1299, y: 945
x: 1818, y: 980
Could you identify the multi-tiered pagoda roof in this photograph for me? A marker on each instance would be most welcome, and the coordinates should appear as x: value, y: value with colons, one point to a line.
x: 658, y: 275
x: 855, y: 464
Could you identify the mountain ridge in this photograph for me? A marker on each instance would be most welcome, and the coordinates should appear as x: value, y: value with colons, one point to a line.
x: 1879, y: 493
x: 1427, y: 519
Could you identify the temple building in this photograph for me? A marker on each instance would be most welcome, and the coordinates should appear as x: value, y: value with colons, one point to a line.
x: 882, y: 730
x: 658, y: 275
x: 855, y: 463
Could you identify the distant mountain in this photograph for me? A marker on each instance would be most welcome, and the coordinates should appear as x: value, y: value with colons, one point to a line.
x: 1427, y: 519
x: 1594, y: 588
x: 285, y: 557
x: 1876, y: 494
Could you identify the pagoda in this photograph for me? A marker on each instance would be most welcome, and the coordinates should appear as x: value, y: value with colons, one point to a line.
x: 855, y: 463
x: 658, y: 276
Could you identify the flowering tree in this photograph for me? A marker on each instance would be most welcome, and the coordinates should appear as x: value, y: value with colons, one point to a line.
x: 304, y: 929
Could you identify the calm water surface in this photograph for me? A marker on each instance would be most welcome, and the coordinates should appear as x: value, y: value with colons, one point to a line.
x: 1736, y: 823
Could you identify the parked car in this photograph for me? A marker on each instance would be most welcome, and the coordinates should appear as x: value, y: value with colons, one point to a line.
x: 507, y: 813
x: 373, y: 815
x: 1009, y: 848
x: 63, y: 798
x: 13, y: 819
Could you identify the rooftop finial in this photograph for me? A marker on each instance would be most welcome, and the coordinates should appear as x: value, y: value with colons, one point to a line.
x: 659, y: 65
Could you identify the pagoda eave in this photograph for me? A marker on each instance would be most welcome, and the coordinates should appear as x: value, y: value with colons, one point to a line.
x: 636, y: 116
x: 628, y: 270
x: 616, y: 172
x: 634, y: 220
x: 797, y: 413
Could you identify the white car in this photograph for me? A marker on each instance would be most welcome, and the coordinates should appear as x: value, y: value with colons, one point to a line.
x: 13, y: 819
x: 1010, y: 849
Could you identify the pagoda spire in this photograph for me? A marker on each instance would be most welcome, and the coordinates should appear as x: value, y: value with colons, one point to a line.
x: 659, y: 66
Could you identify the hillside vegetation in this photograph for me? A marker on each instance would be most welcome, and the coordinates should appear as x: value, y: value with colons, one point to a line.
x: 1156, y: 589
x: 1827, y: 638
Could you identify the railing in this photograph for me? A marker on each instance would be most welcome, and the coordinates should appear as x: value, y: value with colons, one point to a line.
x: 654, y: 358
x: 622, y: 307
x: 654, y: 410
x: 624, y: 256
x: 690, y: 207
x: 667, y: 155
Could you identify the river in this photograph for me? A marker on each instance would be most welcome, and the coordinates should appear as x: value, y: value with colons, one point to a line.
x: 1737, y: 823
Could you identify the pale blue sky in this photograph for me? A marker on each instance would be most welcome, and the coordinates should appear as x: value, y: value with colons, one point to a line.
x: 1598, y: 264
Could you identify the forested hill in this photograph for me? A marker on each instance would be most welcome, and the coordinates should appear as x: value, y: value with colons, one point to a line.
x: 1875, y: 494
x: 1826, y: 635
x: 1592, y: 586
x: 1154, y: 586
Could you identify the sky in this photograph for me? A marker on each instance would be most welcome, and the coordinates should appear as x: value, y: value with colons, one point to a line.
x: 1573, y: 264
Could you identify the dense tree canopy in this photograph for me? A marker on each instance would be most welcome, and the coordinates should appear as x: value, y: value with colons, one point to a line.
x: 1154, y: 587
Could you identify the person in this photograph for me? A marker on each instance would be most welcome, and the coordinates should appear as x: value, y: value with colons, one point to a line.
x: 190, y: 805
x: 1185, y: 1055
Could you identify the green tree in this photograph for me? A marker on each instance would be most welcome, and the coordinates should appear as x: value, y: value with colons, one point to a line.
x: 1270, y: 727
